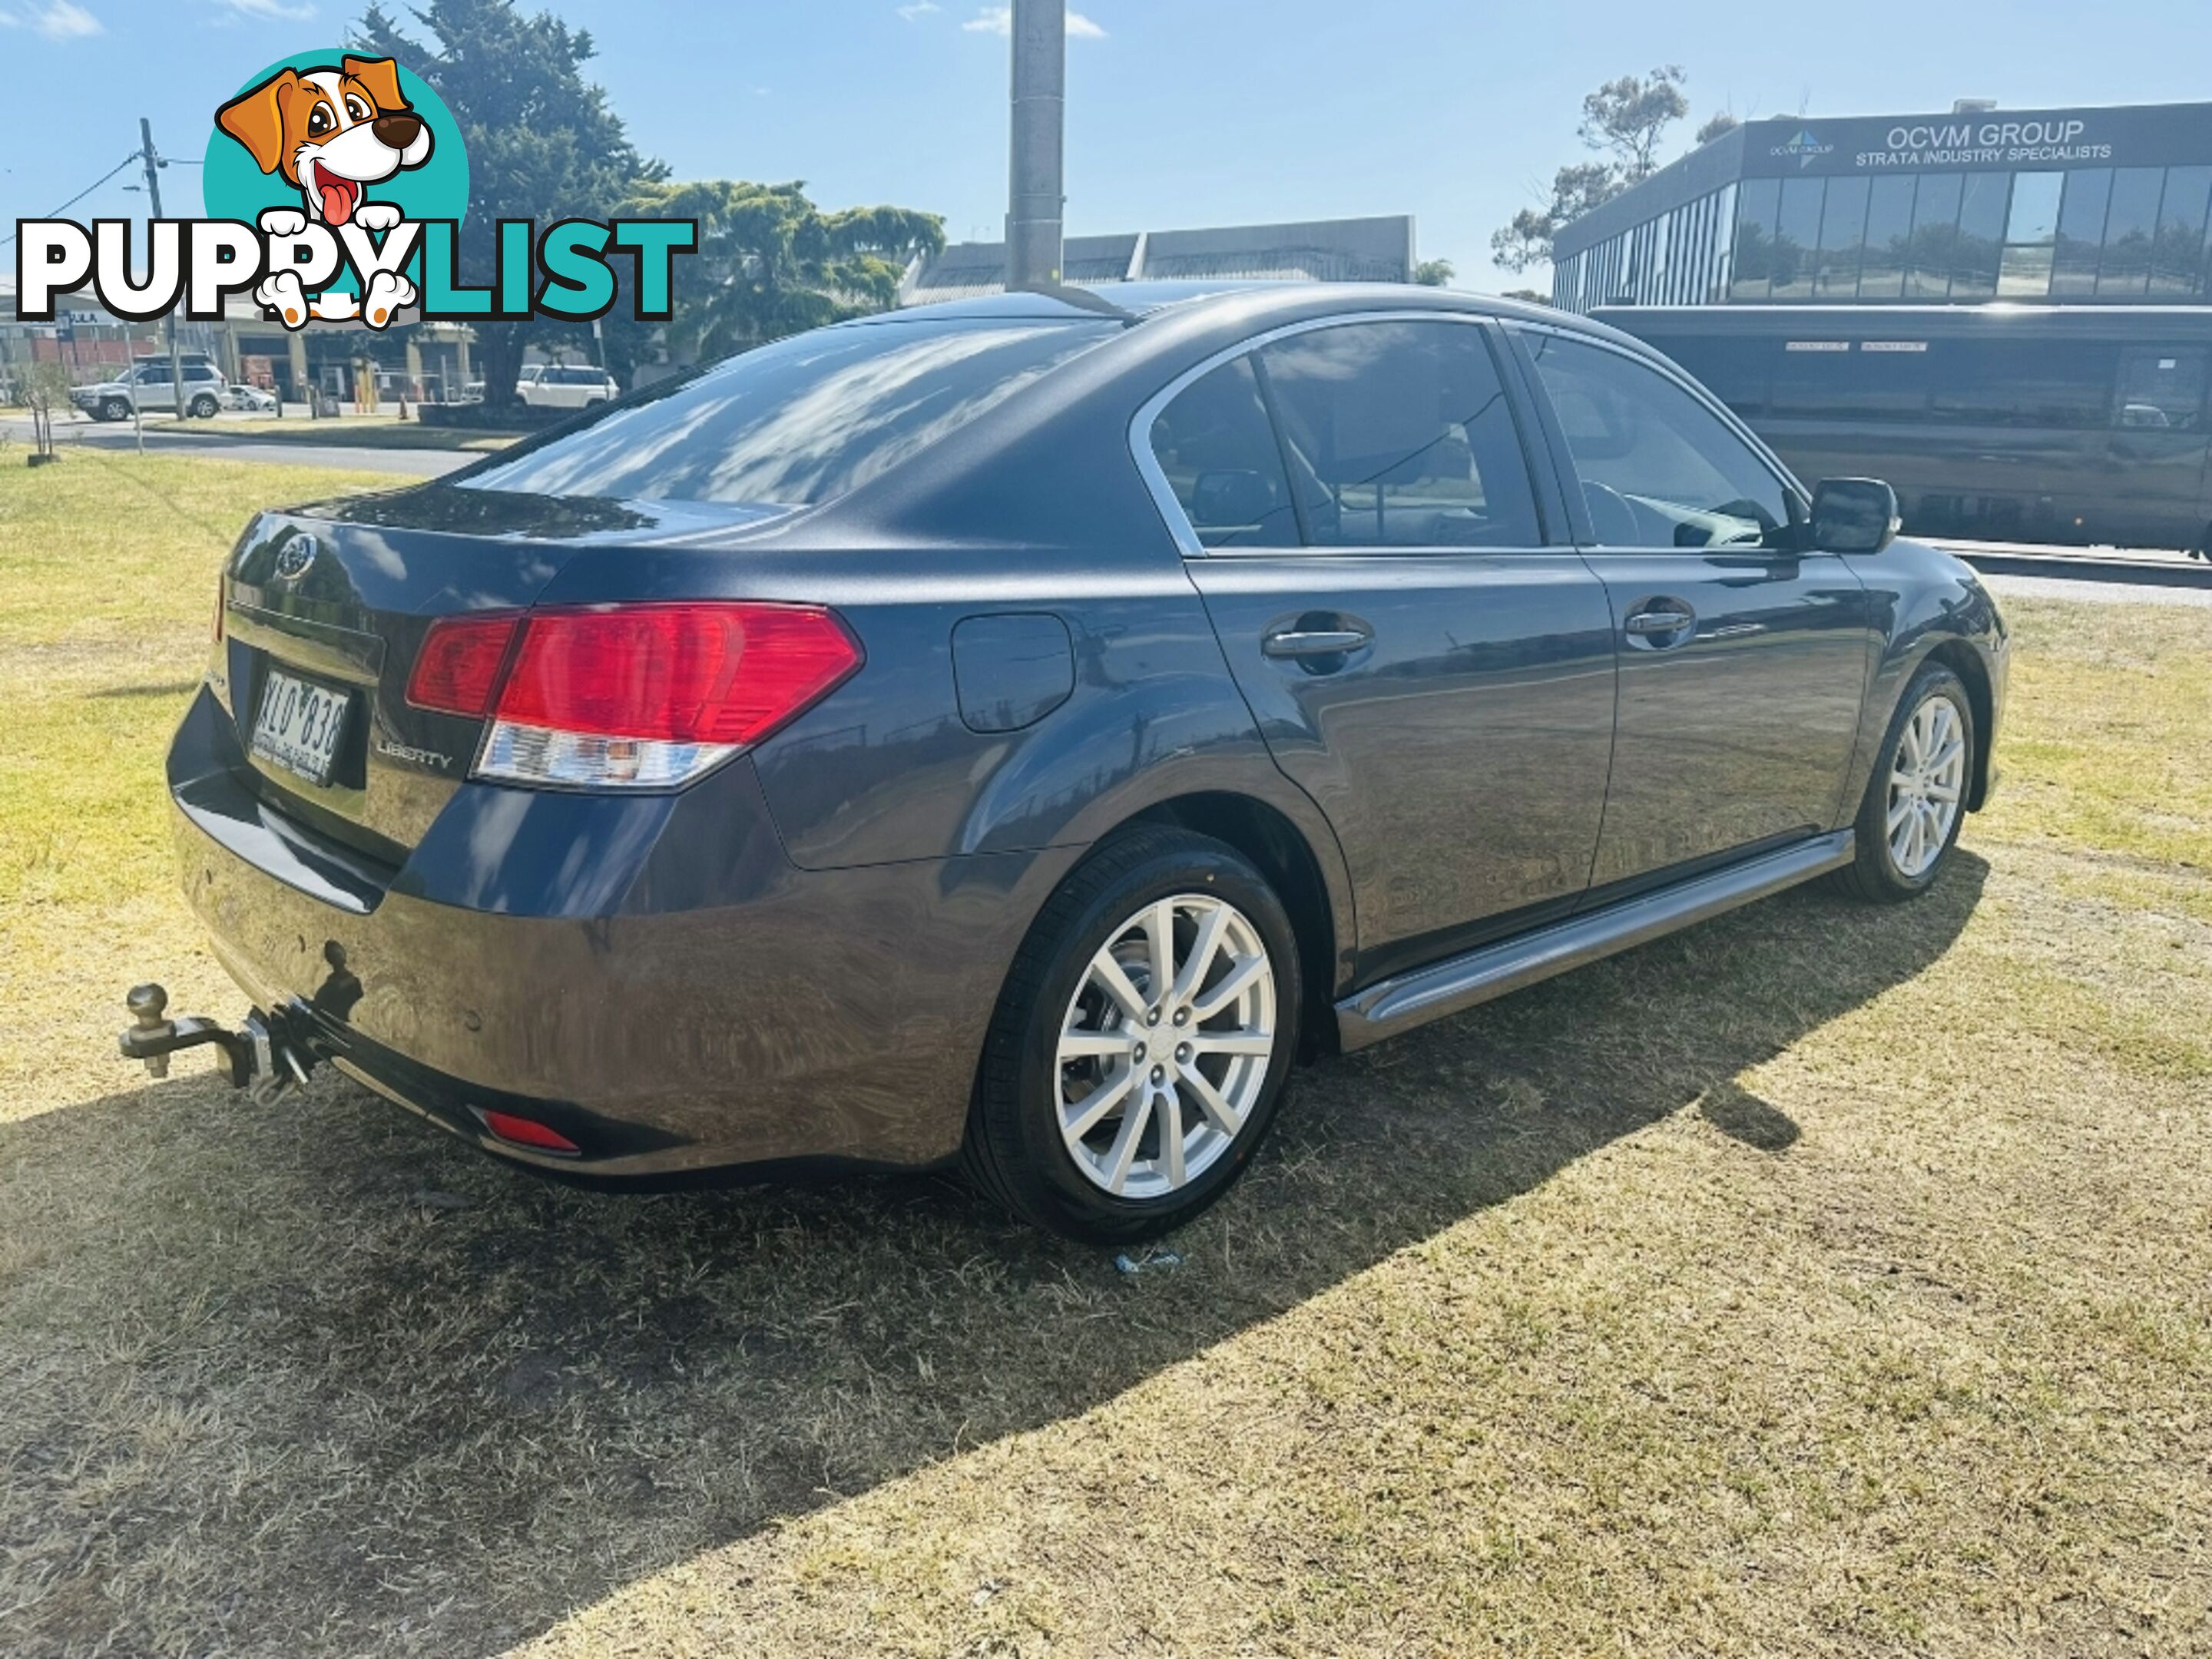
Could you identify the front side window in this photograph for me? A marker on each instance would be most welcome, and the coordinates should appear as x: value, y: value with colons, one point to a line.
x: 1218, y: 452
x: 796, y: 423
x: 1658, y: 467
x: 1399, y: 434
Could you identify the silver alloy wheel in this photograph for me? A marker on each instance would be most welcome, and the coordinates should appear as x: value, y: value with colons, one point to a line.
x: 1927, y: 784
x: 1164, y: 1048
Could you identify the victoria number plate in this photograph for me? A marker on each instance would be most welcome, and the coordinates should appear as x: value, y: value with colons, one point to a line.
x: 300, y: 726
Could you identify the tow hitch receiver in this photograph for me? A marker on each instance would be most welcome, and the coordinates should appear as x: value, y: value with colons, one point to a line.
x: 263, y: 1056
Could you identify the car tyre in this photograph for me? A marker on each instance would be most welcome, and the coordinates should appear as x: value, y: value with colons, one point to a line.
x: 115, y: 410
x: 203, y: 408
x: 1028, y: 1146
x: 1916, y: 801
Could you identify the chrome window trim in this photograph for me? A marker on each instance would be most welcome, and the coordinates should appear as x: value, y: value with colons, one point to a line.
x: 1170, y: 510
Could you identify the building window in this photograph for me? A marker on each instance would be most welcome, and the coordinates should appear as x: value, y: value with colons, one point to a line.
x: 1842, y: 239
x: 2177, y: 259
x: 1935, y: 232
x: 1980, y: 244
x: 1797, y: 238
x: 1888, y: 235
x: 2081, y: 234
x: 2030, y: 231
x: 2130, y: 224
x: 1754, y: 238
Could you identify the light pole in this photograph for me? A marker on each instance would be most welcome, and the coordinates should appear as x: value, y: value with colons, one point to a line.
x: 153, y: 166
x: 1036, y: 198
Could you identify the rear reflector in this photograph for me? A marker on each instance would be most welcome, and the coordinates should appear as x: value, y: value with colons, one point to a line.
x: 524, y: 1133
x: 458, y: 669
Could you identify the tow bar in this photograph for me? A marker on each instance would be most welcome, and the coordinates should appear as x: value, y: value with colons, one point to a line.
x: 263, y: 1057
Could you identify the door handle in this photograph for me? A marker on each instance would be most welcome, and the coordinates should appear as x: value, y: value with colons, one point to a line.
x: 1659, y: 622
x: 1315, y: 641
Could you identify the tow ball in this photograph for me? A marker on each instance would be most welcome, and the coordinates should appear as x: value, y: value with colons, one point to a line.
x: 261, y: 1057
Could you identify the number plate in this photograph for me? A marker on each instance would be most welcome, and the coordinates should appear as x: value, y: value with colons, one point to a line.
x: 300, y: 726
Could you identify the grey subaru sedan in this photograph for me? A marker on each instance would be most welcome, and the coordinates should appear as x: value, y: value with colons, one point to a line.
x: 1016, y: 732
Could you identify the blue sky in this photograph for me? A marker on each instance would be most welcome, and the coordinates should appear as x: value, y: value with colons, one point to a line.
x: 1182, y: 112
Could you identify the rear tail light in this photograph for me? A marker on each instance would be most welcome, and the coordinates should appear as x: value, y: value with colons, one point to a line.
x: 645, y: 696
x: 457, y: 671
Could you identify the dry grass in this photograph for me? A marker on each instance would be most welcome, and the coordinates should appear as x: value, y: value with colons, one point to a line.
x: 1820, y: 1281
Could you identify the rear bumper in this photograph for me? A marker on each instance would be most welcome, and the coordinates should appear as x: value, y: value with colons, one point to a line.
x: 654, y: 978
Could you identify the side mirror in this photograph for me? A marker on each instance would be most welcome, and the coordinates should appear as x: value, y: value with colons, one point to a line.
x: 1854, y: 515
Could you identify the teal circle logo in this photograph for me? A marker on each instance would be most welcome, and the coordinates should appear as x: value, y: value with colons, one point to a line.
x: 325, y: 133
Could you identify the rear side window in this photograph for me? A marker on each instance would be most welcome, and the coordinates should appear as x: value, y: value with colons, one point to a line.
x: 1218, y: 452
x: 1399, y: 434
x: 796, y: 423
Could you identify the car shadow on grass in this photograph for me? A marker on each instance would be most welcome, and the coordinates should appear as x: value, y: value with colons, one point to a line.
x: 306, y: 1378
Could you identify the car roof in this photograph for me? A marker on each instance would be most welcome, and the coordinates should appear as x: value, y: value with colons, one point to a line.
x: 1255, y: 297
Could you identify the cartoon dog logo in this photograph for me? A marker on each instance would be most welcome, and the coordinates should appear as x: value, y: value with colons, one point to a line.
x: 332, y: 132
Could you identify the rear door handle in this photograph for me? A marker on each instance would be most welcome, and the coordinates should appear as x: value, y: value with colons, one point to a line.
x: 1315, y: 641
x: 1659, y: 622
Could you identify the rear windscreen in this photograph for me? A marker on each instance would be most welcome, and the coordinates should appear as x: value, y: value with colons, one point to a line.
x: 795, y: 423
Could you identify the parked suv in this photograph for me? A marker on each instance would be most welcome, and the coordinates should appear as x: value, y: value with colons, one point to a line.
x: 554, y: 385
x: 151, y: 384
x: 1016, y: 731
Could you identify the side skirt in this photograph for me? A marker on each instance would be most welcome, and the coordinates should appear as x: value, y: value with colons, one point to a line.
x: 1399, y: 1003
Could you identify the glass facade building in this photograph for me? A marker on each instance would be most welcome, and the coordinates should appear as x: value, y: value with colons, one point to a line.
x: 2091, y: 206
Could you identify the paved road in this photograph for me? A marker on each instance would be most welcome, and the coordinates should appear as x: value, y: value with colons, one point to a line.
x: 233, y: 439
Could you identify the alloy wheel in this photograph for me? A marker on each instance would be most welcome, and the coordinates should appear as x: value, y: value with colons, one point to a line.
x: 1164, y: 1048
x: 1927, y: 785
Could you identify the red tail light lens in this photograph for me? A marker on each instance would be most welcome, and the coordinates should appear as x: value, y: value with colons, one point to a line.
x: 722, y: 674
x: 458, y: 669
x: 638, y: 696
